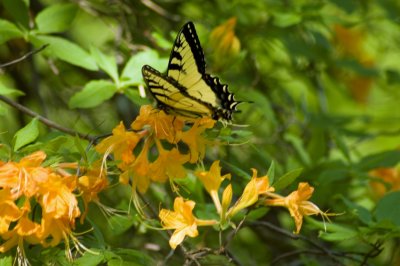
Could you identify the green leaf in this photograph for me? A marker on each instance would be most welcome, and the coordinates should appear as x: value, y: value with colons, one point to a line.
x: 8, y: 31
x: 387, y: 208
x: 284, y: 20
x: 6, y: 260
x: 3, y: 111
x: 129, y: 257
x: 94, y: 257
x: 133, y: 94
x: 161, y: 41
x: 56, y: 18
x: 271, y: 172
x: 94, y: 93
x: 4, y: 90
x: 66, y: 51
x: 383, y: 159
x: 298, y: 145
x: 339, y: 236
x: 19, y: 11
x: 340, y: 143
x: 362, y: 213
x: 133, y: 69
x: 287, y: 179
x: 26, y: 134
x: 106, y: 63
x: 332, y: 232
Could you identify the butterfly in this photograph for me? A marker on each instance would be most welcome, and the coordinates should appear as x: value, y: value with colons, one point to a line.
x: 186, y: 89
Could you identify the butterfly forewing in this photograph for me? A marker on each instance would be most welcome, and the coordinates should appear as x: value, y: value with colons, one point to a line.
x: 169, y: 95
x: 187, y: 65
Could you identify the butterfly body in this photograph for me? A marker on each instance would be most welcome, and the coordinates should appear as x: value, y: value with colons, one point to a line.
x: 186, y: 89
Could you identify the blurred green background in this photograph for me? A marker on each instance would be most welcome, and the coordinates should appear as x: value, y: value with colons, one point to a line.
x: 322, y: 79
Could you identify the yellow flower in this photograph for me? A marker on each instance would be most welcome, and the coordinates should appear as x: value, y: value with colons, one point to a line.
x: 182, y: 221
x: 297, y: 203
x: 212, y: 181
x: 164, y: 126
x: 91, y: 184
x: 256, y: 186
x: 121, y: 143
x: 56, y: 197
x: 9, y: 211
x: 22, y: 177
x: 169, y: 164
x: 194, y: 139
x: 139, y: 171
x: 25, y: 230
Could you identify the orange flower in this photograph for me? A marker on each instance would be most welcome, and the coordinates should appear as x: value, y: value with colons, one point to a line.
x: 386, y: 180
x: 169, y: 164
x: 224, y: 42
x: 164, y: 126
x: 91, y: 184
x: 182, y: 221
x: 297, y: 203
x: 8, y: 209
x: 350, y: 44
x: 24, y: 230
x: 139, y: 171
x: 121, y: 143
x: 22, y: 177
x: 194, y: 139
x: 56, y: 197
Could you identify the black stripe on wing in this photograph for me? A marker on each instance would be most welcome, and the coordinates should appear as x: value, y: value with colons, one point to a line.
x: 227, y: 98
x: 147, y: 78
x: 189, y: 32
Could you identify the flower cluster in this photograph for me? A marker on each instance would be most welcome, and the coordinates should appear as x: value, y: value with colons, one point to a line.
x: 38, y: 204
x: 384, y: 180
x: 160, y: 155
x: 257, y: 190
x: 350, y: 44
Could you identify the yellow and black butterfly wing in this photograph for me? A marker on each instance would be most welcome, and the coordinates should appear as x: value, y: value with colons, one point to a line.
x: 187, y: 89
x: 187, y: 66
x: 171, y: 97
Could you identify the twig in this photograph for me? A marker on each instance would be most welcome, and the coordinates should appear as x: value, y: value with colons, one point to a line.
x: 44, y: 120
x: 159, y: 10
x: 232, y: 234
x: 295, y: 253
x: 296, y: 237
x: 25, y: 56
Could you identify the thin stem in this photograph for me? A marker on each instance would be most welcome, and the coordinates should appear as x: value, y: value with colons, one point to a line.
x: 44, y: 120
x: 25, y: 56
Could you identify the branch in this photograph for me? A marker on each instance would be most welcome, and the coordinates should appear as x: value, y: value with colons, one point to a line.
x: 25, y: 56
x: 44, y: 120
x: 296, y: 237
x: 159, y: 10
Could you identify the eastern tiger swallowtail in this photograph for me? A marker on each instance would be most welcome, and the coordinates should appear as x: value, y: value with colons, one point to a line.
x: 186, y: 89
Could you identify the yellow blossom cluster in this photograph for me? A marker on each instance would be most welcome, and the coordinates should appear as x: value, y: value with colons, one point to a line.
x: 151, y: 151
x: 38, y: 205
x: 257, y: 190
